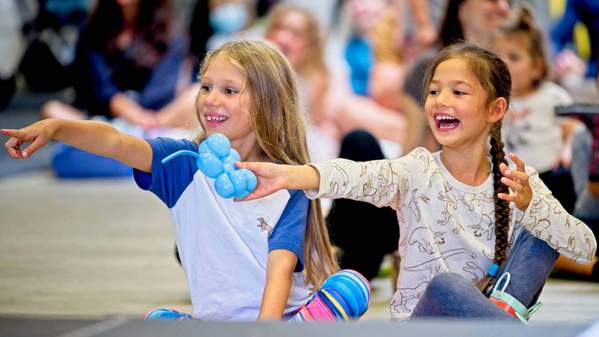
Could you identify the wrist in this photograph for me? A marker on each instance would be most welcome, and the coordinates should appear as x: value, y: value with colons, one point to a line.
x: 53, y: 126
x: 303, y: 177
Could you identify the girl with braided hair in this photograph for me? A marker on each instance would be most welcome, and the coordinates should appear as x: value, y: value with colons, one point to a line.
x: 468, y: 213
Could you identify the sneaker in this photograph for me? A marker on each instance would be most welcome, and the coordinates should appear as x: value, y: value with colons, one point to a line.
x: 167, y: 314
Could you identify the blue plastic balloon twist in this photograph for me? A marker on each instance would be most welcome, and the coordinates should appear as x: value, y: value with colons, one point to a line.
x: 216, y: 159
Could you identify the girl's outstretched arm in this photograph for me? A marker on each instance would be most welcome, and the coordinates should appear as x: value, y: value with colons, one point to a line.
x: 279, y: 279
x: 274, y: 177
x: 95, y: 137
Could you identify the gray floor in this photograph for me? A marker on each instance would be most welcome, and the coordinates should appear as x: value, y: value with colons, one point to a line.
x: 92, y: 249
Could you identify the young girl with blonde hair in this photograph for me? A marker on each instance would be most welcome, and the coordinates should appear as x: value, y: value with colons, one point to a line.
x: 242, y: 261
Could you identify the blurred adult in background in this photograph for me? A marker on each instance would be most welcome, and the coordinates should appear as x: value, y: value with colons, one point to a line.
x: 472, y: 21
x: 376, y: 70
x: 131, y: 61
x: 232, y: 20
x: 295, y: 31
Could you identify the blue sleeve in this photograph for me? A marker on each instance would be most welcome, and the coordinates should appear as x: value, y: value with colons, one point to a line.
x: 168, y: 181
x: 290, y: 231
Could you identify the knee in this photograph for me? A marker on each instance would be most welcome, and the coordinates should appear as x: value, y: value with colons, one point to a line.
x: 444, y: 285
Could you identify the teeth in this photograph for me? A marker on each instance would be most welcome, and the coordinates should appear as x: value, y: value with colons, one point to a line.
x: 444, y: 117
x: 212, y: 118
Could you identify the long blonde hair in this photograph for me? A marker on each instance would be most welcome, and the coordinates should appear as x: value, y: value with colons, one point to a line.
x: 280, y: 131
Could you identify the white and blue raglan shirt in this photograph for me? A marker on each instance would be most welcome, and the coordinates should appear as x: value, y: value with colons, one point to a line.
x: 224, y: 244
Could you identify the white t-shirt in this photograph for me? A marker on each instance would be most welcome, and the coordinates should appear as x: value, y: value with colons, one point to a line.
x: 532, y: 130
x: 223, y: 244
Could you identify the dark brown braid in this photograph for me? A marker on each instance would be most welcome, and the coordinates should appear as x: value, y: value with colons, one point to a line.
x: 502, y: 209
x: 494, y: 77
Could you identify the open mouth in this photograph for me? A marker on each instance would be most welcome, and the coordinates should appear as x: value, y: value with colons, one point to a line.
x: 213, y: 120
x: 446, y: 122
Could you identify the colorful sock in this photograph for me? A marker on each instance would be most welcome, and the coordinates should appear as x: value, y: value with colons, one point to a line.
x: 343, y: 296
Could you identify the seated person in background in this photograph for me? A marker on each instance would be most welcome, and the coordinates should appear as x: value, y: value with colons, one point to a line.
x: 295, y: 31
x: 130, y: 63
x: 232, y: 20
x: 585, y: 174
x: 383, y: 109
x: 532, y: 130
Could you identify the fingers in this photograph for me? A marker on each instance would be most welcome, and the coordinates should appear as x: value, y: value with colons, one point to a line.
x: 519, y: 162
x: 33, y: 147
x: 248, y: 165
x: 13, y: 148
x: 10, y: 133
x: 512, y: 184
x: 254, y: 195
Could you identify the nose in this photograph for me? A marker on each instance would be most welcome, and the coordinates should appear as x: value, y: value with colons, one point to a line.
x: 212, y: 98
x: 442, y: 98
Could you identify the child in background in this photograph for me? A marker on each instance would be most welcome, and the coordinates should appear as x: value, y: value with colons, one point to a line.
x: 531, y: 129
x: 242, y: 261
x: 463, y: 212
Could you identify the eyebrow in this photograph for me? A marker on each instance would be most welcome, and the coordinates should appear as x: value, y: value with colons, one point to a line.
x: 226, y: 82
x: 457, y: 82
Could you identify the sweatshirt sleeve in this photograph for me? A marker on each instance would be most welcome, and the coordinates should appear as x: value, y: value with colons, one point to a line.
x: 546, y: 219
x: 378, y: 182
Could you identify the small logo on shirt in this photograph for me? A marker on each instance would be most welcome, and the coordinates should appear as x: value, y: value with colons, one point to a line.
x: 263, y: 225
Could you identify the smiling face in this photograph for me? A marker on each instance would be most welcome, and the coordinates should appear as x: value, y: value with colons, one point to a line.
x: 224, y: 102
x: 456, y: 106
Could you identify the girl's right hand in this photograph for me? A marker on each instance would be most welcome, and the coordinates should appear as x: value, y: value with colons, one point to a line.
x: 38, y: 134
x: 271, y: 178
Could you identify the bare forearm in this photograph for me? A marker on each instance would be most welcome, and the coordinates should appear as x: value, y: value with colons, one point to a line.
x: 91, y: 136
x: 279, y: 279
x: 304, y: 177
x: 104, y: 140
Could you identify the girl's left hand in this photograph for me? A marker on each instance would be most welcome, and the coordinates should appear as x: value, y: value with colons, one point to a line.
x: 517, y: 182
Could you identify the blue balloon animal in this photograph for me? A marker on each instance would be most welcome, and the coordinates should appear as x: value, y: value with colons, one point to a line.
x: 216, y: 159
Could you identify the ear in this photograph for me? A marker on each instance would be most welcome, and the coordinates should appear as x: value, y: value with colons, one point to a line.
x: 497, y: 109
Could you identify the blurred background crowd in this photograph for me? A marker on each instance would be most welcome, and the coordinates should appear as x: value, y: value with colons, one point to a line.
x: 359, y: 65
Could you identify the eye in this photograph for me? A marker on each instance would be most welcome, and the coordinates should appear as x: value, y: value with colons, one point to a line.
x: 433, y: 92
x: 459, y: 93
x: 205, y: 88
x: 513, y: 57
x: 231, y: 91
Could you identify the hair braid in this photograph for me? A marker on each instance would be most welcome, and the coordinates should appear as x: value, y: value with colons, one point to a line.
x: 502, y: 209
